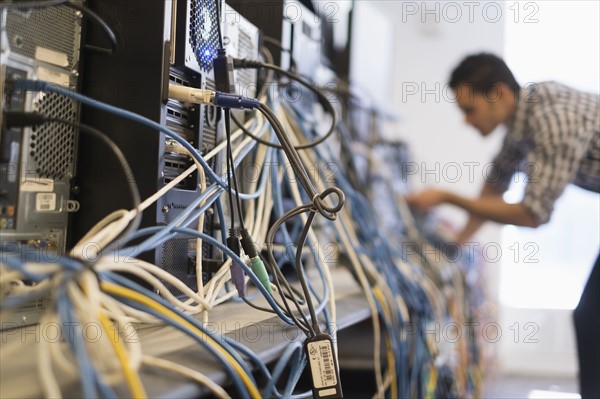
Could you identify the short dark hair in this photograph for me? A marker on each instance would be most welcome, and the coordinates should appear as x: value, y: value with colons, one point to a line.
x: 481, y: 72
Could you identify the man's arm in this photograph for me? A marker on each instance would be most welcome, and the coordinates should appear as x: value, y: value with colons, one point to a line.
x: 494, y: 209
x: 489, y: 206
x: 475, y: 222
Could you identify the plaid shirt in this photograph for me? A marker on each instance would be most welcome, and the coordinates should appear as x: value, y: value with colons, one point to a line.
x: 553, y: 137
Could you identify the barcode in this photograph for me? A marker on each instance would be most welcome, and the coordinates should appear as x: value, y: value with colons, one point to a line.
x: 45, y: 202
x: 329, y: 376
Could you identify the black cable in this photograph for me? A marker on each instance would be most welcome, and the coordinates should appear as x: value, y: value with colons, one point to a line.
x: 32, y: 119
x: 289, y: 150
x: 233, y: 174
x: 300, y: 272
x: 249, y: 303
x: 269, y: 76
x: 318, y: 199
x: 229, y: 185
x: 131, y: 183
x: 107, y: 29
x: 277, y: 43
x: 219, y: 24
x: 277, y: 275
x: 322, y: 99
x: 79, y: 7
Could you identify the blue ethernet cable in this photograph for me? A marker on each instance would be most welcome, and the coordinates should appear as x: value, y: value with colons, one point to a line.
x: 292, y: 353
x: 116, y: 278
x: 192, y: 214
x: 40, y: 85
x: 247, y: 270
x: 361, y: 206
x: 219, y: 99
x: 228, y: 252
x: 295, y: 374
x: 234, y: 376
x: 90, y: 379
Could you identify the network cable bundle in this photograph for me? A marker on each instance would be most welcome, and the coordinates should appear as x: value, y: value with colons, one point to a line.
x: 416, y: 287
x: 197, y: 192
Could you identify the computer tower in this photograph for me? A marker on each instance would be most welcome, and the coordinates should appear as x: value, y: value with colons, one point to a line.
x: 298, y: 30
x: 292, y: 24
x: 161, y: 42
x: 37, y: 165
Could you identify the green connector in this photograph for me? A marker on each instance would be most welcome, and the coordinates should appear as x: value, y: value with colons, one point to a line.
x: 258, y: 267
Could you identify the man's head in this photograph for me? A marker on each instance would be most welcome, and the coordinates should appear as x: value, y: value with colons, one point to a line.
x: 486, y: 91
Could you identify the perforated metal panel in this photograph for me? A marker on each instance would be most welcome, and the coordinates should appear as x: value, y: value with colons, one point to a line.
x: 209, y: 132
x: 241, y: 39
x: 174, y: 259
x: 245, y: 77
x: 204, y: 37
x: 54, y: 28
x: 175, y: 254
x: 52, y: 145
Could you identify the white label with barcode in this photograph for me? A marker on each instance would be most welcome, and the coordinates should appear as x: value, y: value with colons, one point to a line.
x: 45, y: 202
x: 321, y: 364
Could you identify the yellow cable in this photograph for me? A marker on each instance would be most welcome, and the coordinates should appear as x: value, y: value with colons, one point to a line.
x: 430, y: 394
x: 131, y: 375
x: 146, y: 301
x: 390, y: 354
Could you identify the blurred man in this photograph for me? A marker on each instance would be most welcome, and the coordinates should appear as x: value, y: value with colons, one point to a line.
x: 553, y: 135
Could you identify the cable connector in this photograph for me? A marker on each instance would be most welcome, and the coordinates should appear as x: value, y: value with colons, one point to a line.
x: 30, y: 85
x: 248, y: 244
x: 223, y: 70
x: 258, y: 267
x: 23, y: 119
x: 199, y: 96
x: 190, y: 94
x: 237, y: 273
x: 246, y: 64
x: 235, y: 101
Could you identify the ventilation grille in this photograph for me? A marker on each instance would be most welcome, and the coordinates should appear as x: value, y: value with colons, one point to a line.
x: 209, y: 131
x: 246, y: 78
x: 204, y: 37
x: 174, y: 260
x: 53, y: 28
x: 52, y: 145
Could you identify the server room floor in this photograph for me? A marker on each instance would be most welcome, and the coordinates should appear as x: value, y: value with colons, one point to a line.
x: 516, y: 387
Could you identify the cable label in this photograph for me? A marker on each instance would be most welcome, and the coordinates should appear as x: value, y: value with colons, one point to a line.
x: 45, y: 202
x: 322, y: 362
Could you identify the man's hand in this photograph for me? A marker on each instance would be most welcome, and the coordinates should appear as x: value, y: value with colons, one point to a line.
x: 427, y: 199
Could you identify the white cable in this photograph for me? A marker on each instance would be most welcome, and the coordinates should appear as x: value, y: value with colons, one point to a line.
x: 86, y: 312
x: 102, y: 234
x: 146, y: 271
x: 186, y: 372
x: 121, y: 320
x: 48, y: 381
